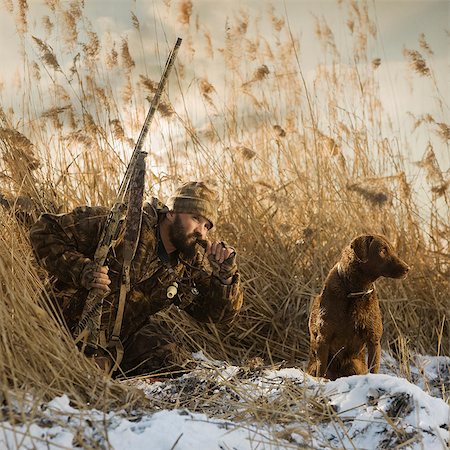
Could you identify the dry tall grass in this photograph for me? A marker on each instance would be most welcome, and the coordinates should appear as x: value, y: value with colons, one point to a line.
x: 299, y: 175
x: 38, y: 355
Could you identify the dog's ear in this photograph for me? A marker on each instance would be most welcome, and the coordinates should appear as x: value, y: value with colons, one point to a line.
x: 360, y: 246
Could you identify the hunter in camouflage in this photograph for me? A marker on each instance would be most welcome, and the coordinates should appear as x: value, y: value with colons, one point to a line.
x: 168, y: 252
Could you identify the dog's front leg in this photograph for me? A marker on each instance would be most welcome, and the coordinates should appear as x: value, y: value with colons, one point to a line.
x: 322, y: 358
x: 374, y: 355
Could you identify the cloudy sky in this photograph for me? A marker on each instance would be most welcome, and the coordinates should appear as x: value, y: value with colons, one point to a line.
x: 399, y: 24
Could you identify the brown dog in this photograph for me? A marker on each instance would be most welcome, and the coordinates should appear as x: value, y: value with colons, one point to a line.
x: 345, y: 319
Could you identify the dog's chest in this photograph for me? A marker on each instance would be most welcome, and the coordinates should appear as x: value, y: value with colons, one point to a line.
x: 364, y: 313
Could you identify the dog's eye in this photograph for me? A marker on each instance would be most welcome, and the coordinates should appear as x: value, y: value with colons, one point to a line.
x: 383, y: 252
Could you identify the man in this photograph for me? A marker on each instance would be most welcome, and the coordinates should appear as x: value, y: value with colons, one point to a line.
x: 169, y: 259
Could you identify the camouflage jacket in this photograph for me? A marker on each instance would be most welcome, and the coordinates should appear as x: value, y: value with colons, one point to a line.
x: 64, y: 243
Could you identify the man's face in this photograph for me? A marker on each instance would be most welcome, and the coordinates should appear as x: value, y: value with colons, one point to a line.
x: 185, y: 230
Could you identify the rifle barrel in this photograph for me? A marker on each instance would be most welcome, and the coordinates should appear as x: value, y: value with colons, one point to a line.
x: 151, y: 112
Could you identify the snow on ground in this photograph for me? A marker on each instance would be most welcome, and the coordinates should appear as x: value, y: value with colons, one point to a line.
x: 175, y: 429
x: 219, y: 406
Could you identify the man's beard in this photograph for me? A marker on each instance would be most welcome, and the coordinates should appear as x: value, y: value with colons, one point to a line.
x: 183, y: 242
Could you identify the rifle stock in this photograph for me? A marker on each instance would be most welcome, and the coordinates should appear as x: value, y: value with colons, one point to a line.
x: 88, y: 328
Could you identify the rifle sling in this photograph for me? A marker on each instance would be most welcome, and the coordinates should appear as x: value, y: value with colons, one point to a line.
x: 130, y: 246
x: 115, y: 344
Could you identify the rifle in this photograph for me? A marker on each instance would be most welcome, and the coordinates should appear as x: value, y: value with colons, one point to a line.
x: 88, y: 328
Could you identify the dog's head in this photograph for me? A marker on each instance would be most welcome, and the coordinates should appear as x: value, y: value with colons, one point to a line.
x: 377, y: 256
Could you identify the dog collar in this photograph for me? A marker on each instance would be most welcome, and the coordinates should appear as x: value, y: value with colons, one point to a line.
x: 352, y: 294
x: 360, y: 294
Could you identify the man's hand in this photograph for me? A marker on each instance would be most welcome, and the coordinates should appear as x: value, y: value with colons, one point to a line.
x: 223, y: 261
x: 95, y: 277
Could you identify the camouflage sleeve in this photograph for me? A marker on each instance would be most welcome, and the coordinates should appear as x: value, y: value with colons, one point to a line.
x: 216, y: 301
x: 64, y: 243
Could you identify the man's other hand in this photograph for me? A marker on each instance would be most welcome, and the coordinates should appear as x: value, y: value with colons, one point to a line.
x: 223, y: 260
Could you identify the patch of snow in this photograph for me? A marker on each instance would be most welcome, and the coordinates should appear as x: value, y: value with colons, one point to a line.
x: 375, y: 409
x: 218, y: 401
x: 163, y: 430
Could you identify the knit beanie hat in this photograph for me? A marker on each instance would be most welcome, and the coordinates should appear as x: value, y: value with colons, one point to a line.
x: 195, y: 197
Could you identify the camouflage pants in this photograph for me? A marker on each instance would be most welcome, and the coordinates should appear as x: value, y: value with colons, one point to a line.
x: 153, y: 350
